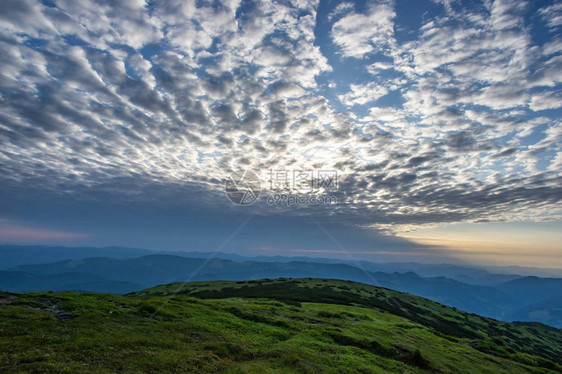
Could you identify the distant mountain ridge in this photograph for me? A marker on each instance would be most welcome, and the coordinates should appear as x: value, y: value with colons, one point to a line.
x: 15, y: 255
x: 124, y: 275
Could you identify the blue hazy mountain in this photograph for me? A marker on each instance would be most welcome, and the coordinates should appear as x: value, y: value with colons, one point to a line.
x: 122, y: 270
x: 113, y: 275
x: 14, y: 255
x: 17, y: 281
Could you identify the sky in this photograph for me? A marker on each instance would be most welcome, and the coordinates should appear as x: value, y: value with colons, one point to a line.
x: 121, y: 122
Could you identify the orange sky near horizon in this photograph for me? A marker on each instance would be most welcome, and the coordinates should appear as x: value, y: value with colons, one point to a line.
x: 536, y: 244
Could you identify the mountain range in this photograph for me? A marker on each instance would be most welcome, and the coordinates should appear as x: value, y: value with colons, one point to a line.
x: 506, y: 297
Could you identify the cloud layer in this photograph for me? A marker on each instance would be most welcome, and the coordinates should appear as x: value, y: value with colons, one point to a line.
x: 455, y: 119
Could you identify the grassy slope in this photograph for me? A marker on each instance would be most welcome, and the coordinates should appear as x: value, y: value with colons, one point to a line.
x: 158, y: 330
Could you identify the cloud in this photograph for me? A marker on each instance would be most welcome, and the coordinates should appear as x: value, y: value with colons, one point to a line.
x: 287, y: 90
x: 363, y: 93
x: 342, y: 8
x: 360, y: 34
x: 13, y: 233
x: 546, y: 100
x: 552, y: 15
x: 160, y: 101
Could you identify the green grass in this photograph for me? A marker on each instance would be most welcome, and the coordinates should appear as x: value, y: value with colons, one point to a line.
x: 269, y: 326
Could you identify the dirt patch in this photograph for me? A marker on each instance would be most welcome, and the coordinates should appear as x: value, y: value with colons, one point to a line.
x: 6, y: 300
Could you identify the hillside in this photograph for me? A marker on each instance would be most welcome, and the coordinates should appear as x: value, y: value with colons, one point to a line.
x: 266, y: 326
x: 126, y: 275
